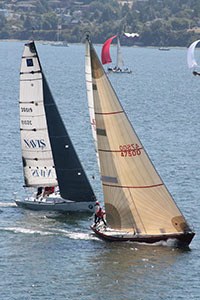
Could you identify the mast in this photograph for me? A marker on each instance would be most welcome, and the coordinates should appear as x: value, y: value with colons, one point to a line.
x: 134, y: 194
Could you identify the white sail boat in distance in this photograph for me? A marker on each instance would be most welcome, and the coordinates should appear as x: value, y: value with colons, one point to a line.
x: 58, y: 42
x: 138, y: 206
x: 50, y: 162
x: 191, y: 61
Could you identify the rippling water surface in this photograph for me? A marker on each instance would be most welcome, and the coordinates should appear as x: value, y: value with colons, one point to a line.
x: 52, y: 256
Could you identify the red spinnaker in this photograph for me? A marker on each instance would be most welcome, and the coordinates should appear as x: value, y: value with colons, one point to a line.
x: 105, y: 53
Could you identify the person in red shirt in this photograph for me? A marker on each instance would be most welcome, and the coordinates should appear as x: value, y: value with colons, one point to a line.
x: 99, y: 214
x: 48, y: 190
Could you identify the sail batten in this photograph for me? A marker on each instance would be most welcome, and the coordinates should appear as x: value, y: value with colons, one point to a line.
x: 136, y: 199
x: 109, y: 113
x: 133, y: 187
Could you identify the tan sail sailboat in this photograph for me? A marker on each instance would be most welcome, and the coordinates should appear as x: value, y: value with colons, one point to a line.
x: 138, y: 205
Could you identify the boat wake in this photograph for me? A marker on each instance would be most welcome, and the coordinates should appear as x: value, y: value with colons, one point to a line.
x: 169, y: 243
x: 52, y: 232
x: 7, y: 204
x: 25, y: 230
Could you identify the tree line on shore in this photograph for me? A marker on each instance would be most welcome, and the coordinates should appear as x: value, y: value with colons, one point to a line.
x: 158, y: 22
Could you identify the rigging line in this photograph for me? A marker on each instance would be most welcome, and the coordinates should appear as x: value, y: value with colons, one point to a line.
x: 134, y: 187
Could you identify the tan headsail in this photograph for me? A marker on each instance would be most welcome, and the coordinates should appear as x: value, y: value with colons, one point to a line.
x: 135, y: 197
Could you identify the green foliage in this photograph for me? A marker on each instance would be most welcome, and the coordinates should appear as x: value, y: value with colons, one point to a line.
x: 159, y: 22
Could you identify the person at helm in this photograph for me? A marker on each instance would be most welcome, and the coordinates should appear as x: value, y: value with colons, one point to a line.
x: 99, y: 214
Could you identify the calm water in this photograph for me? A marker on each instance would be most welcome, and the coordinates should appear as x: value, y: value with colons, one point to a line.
x: 52, y: 256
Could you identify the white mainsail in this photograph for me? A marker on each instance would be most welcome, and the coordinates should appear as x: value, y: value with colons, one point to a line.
x: 120, y: 62
x: 190, y: 55
x: 37, y: 157
x: 135, y: 196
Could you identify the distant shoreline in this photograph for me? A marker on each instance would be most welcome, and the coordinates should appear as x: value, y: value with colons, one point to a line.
x: 134, y: 46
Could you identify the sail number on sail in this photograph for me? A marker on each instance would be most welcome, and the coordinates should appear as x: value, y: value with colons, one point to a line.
x: 26, y: 109
x: 130, y: 150
x: 26, y: 122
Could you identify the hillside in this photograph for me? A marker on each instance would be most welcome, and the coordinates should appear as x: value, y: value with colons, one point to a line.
x: 158, y: 22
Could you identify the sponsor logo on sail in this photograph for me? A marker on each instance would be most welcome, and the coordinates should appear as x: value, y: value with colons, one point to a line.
x: 35, y: 144
x: 44, y: 173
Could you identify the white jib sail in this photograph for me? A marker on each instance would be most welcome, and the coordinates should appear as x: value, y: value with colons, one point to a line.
x: 88, y: 75
x: 190, y: 55
x: 37, y: 157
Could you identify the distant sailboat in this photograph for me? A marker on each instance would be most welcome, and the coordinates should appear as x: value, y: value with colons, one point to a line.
x: 138, y: 206
x: 164, y: 49
x: 191, y: 61
x: 59, y: 43
x: 106, y: 58
x: 50, y: 162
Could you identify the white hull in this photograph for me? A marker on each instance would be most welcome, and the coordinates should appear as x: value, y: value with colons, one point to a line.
x: 59, y: 44
x: 54, y: 203
x: 119, y: 71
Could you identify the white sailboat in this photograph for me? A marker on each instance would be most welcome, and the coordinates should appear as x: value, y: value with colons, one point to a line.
x: 50, y: 162
x: 191, y: 61
x: 138, y: 206
x: 106, y: 58
x: 58, y: 42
